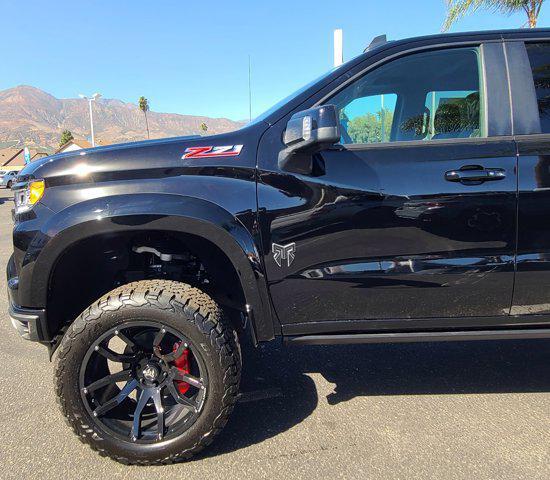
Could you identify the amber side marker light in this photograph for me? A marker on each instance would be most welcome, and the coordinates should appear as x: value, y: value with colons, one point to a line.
x: 36, y: 190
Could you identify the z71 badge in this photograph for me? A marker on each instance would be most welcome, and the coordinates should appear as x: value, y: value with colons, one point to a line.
x: 209, y: 152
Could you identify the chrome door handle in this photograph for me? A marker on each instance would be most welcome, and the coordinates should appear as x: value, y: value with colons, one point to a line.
x: 469, y: 174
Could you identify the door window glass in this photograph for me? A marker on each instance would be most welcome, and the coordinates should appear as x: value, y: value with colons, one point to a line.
x: 539, y: 57
x: 368, y: 119
x: 425, y: 96
x: 452, y: 114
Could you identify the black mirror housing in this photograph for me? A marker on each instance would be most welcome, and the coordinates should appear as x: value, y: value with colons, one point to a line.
x: 307, y: 133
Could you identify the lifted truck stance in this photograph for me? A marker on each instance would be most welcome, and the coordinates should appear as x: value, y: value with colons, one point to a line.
x: 404, y: 196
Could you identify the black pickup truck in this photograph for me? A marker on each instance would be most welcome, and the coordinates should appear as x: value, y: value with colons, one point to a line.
x: 402, y: 197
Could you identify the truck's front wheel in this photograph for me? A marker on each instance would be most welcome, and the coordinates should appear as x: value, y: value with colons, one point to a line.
x: 149, y: 373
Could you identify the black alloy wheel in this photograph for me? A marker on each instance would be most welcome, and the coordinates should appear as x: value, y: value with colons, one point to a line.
x: 158, y: 399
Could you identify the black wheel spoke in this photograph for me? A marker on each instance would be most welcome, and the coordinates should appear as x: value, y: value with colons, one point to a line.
x: 170, y: 357
x: 182, y: 400
x: 187, y: 378
x: 113, y: 356
x: 113, y: 378
x: 156, y: 341
x: 144, y: 397
x: 118, y: 399
x: 127, y: 340
x: 160, y: 413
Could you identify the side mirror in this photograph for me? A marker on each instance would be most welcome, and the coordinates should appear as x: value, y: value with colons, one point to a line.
x: 307, y: 133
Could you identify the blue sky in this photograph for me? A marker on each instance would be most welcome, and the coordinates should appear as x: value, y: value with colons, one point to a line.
x: 192, y: 57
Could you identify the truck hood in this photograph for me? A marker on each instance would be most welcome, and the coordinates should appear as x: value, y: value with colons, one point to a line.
x: 148, y: 159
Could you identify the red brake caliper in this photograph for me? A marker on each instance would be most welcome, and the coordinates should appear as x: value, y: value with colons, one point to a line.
x: 182, y: 364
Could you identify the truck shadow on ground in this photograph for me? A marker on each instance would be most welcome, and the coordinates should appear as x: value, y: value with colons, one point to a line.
x: 371, y: 370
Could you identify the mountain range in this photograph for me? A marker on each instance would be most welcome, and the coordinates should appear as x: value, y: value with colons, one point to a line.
x: 29, y: 116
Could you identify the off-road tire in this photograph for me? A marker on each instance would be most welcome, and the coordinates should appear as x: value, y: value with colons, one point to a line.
x: 174, y: 304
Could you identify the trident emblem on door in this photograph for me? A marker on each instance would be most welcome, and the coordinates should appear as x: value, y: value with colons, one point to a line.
x: 283, y: 252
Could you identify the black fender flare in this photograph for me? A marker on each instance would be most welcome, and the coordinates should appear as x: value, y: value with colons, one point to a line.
x: 161, y: 212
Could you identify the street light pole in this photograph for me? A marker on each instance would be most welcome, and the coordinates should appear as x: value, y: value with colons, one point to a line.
x: 338, y: 47
x: 91, y: 121
x: 94, y: 97
x: 249, y: 90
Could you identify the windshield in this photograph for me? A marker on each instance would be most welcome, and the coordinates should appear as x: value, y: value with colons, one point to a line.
x: 291, y: 97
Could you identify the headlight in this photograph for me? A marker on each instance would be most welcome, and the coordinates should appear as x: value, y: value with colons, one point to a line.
x: 26, y: 197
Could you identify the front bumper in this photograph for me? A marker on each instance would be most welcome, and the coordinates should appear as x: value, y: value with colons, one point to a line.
x: 29, y: 323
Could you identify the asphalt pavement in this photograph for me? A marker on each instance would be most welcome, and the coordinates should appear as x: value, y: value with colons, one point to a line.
x: 473, y: 410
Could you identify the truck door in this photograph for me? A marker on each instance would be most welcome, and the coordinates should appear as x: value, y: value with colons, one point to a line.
x: 531, y: 90
x: 411, y: 221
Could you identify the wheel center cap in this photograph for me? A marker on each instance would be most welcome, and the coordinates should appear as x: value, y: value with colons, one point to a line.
x: 150, y: 373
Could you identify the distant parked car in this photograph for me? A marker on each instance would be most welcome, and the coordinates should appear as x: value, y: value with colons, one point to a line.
x: 8, y: 178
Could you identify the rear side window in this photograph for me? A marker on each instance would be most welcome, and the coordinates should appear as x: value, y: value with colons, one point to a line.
x: 539, y: 57
x: 424, y: 96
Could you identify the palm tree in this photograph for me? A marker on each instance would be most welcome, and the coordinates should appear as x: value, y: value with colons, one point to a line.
x: 203, y: 128
x: 144, y: 107
x: 457, y: 9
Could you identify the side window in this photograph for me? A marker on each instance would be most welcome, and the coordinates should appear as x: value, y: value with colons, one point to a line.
x: 424, y: 96
x: 539, y: 57
x: 368, y: 119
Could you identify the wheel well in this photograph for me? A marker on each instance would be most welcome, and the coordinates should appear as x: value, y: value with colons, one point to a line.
x: 94, y: 266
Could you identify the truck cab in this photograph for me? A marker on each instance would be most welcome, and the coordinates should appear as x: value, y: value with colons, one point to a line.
x: 402, y: 197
